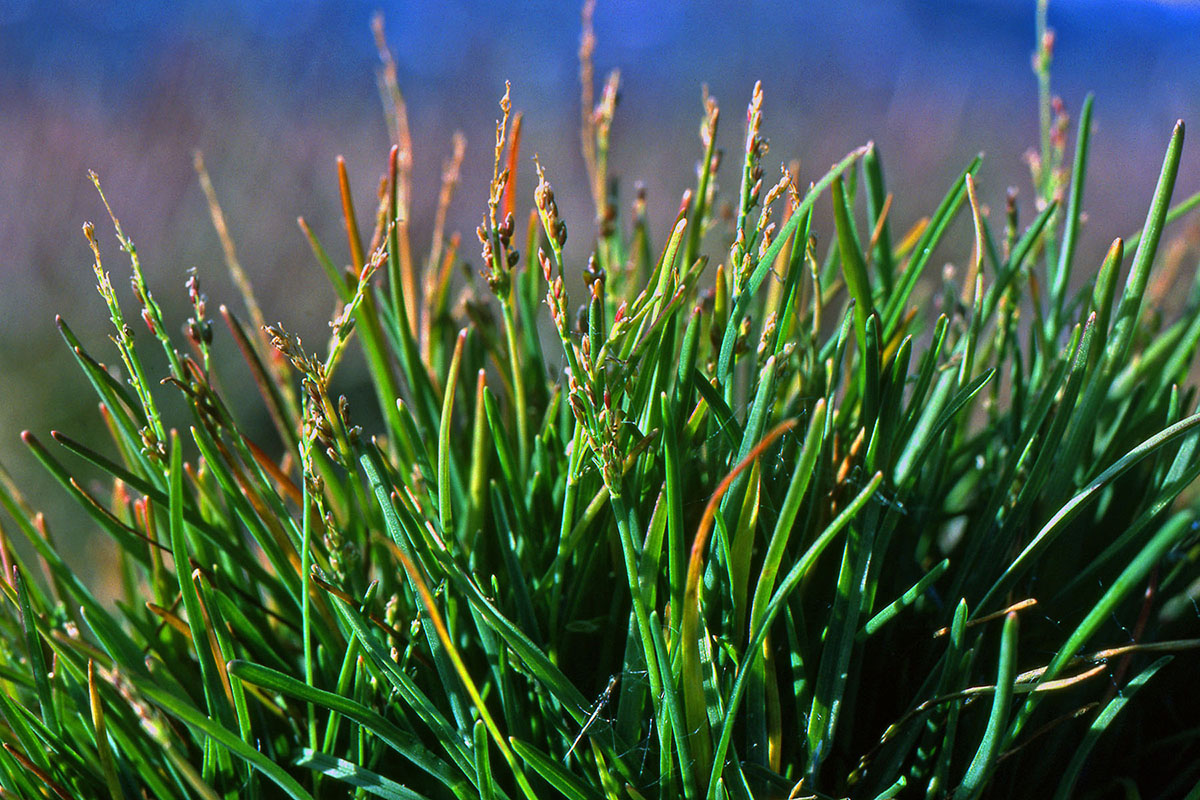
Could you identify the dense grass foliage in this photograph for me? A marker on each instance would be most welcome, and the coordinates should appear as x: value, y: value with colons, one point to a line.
x: 755, y: 513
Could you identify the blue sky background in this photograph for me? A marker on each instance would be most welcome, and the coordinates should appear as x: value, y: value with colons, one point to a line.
x: 273, y: 92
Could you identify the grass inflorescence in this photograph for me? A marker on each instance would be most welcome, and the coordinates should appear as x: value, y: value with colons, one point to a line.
x: 803, y: 522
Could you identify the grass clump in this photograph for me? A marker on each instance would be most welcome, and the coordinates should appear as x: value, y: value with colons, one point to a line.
x: 787, y: 525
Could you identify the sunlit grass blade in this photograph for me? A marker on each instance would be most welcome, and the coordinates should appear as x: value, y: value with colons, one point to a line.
x: 877, y: 205
x: 923, y: 250
x: 1130, y: 305
x: 36, y: 656
x: 399, y: 740
x: 854, y: 264
x: 1066, y: 253
x: 348, y: 772
x: 889, y: 612
x: 563, y: 782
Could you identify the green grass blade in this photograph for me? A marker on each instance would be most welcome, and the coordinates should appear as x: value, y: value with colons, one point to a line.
x: 405, y: 687
x: 1130, y: 306
x: 1174, y: 530
x: 829, y: 691
x: 194, y: 718
x: 1055, y: 525
x: 931, y: 426
x: 99, y: 514
x: 1021, y: 250
x: 778, y: 599
x: 1100, y: 724
x: 483, y: 763
x: 504, y: 456
x: 213, y: 691
x: 351, y: 773
x: 728, y: 425
x: 402, y: 742
x: 881, y: 254
x: 854, y: 263
x: 1183, y: 471
x: 889, y: 612
x: 757, y: 417
x: 37, y: 657
x: 1051, y: 472
x: 563, y: 782
x: 1127, y: 582
x: 893, y: 310
x: 1178, y: 210
x: 115, y: 641
x: 444, y: 449
x: 1066, y: 254
x: 869, y: 374
x: 925, y: 374
x: 776, y: 548
x: 985, y: 757
x: 108, y: 387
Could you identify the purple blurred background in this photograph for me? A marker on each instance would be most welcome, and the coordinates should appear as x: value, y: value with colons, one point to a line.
x: 273, y: 92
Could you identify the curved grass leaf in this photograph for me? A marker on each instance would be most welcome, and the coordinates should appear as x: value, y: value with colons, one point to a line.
x: 402, y: 742
x: 563, y: 782
x: 985, y: 757
x: 351, y: 773
x: 1100, y: 724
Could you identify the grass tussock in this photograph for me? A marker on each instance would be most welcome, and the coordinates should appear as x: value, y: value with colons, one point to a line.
x: 752, y: 512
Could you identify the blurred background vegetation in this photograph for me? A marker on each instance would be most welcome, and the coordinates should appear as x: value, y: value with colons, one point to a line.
x: 272, y: 93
